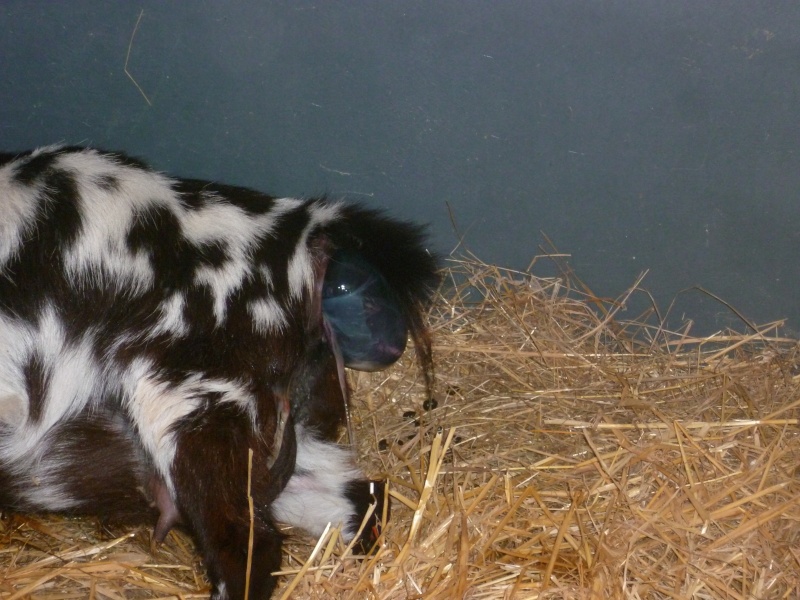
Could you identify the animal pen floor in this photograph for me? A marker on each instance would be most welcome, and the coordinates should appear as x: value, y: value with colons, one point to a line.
x: 570, y: 455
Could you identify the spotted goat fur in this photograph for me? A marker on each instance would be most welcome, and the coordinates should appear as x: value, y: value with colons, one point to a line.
x: 155, y: 330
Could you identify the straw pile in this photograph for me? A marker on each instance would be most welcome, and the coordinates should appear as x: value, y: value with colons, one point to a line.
x: 569, y: 455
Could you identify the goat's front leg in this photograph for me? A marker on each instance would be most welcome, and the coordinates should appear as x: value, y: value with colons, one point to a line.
x: 327, y: 488
x: 210, y: 478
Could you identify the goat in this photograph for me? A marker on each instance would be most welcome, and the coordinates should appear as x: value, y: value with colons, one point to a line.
x: 155, y: 330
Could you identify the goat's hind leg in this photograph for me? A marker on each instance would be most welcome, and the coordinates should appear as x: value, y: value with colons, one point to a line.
x: 210, y: 476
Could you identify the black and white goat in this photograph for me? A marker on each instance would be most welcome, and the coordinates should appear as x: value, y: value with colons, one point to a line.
x: 154, y: 330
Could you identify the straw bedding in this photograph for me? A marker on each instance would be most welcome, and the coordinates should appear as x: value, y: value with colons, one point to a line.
x: 568, y: 454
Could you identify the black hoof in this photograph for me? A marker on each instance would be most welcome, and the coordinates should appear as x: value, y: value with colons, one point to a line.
x: 364, y: 494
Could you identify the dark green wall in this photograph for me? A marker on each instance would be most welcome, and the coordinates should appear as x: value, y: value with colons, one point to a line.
x: 636, y: 135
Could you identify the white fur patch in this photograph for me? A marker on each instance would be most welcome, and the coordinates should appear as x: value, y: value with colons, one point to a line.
x: 15, y: 341
x: 74, y: 372
x: 266, y: 275
x: 73, y: 378
x: 100, y: 254
x: 300, y: 270
x: 46, y: 491
x: 171, y: 319
x: 13, y: 409
x: 315, y: 493
x: 44, y: 486
x: 267, y: 315
x: 222, y: 592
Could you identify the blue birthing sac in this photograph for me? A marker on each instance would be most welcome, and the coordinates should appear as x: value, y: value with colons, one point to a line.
x: 363, y: 312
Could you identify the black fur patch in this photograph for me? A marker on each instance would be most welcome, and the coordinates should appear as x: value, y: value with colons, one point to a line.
x: 33, y: 168
x: 108, y: 183
x: 63, y: 208
x: 157, y: 232
x: 196, y: 193
x: 362, y: 494
x: 99, y: 461
x: 39, y: 261
x: 36, y: 384
x: 7, y: 157
x: 316, y: 396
